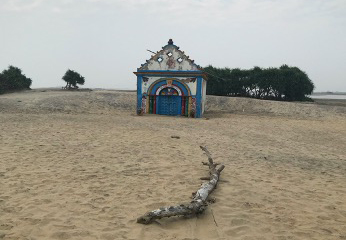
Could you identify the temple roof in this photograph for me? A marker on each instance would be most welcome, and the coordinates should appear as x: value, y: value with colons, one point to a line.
x: 170, y: 58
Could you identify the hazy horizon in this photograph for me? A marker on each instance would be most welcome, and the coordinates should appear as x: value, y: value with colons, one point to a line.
x: 107, y: 40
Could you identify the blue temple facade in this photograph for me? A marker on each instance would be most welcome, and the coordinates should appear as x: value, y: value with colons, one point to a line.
x: 170, y: 83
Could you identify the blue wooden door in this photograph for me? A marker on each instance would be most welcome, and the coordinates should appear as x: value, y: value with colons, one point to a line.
x: 169, y: 105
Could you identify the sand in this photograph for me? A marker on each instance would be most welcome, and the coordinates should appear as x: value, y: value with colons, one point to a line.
x: 82, y: 165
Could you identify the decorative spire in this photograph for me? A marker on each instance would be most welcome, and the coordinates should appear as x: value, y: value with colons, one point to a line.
x: 170, y: 42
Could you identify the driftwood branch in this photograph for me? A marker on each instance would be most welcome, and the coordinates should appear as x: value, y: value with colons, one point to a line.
x: 199, y: 201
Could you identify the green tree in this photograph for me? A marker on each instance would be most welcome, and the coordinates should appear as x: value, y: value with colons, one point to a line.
x: 73, y: 78
x: 13, y: 79
x: 3, y: 84
x: 215, y: 83
x: 238, y: 78
x: 296, y: 83
x: 284, y: 83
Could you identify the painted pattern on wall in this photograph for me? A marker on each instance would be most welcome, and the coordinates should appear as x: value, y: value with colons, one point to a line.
x: 144, y: 104
x: 189, y: 82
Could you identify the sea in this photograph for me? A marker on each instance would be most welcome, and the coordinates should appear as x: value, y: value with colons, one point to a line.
x: 329, y: 96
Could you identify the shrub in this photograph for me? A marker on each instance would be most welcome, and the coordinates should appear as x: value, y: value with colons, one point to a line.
x: 12, y: 79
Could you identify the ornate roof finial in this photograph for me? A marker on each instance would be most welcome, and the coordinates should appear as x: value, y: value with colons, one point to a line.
x: 170, y: 42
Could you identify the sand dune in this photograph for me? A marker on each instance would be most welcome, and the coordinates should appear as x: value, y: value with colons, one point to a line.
x: 82, y: 165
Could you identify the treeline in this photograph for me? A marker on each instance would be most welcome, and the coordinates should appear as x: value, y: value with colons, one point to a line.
x: 284, y: 83
x: 12, y: 79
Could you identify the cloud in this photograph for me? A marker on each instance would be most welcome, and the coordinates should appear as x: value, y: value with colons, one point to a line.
x: 195, y: 11
x: 20, y: 5
x: 228, y: 11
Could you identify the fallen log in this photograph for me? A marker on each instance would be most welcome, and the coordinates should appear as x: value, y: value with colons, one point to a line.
x: 199, y: 201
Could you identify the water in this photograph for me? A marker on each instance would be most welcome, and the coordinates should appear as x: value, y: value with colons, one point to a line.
x: 331, y: 96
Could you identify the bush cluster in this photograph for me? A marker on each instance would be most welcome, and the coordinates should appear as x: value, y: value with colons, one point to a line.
x: 284, y: 83
x: 12, y: 79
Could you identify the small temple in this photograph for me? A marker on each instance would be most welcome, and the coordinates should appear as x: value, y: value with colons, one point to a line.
x: 170, y: 83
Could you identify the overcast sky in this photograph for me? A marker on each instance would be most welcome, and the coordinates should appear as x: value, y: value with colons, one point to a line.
x: 106, y: 40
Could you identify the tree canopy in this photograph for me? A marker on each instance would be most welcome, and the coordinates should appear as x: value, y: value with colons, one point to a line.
x: 73, y: 78
x: 12, y: 79
x: 284, y: 83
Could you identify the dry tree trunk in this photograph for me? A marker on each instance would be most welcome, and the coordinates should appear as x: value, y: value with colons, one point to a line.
x: 199, y: 201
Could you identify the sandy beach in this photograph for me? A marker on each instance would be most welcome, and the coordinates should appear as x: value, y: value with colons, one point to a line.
x: 83, y: 165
